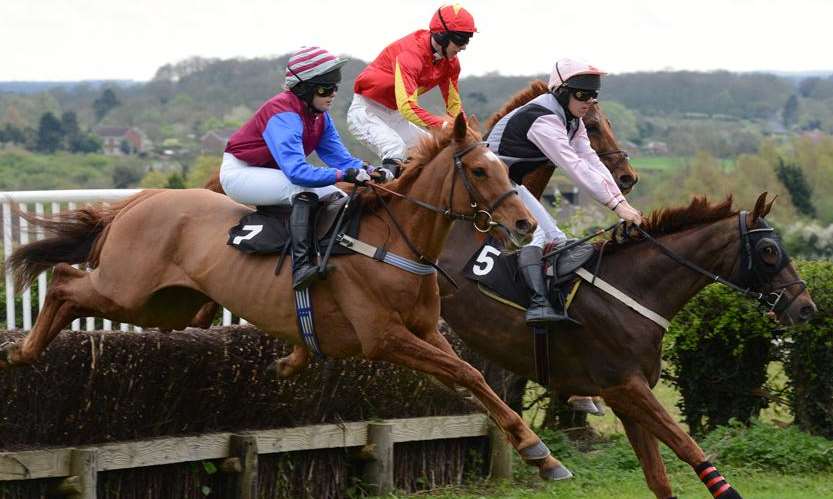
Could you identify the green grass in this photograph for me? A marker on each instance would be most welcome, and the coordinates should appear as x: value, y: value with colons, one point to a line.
x: 631, y: 485
x: 670, y: 163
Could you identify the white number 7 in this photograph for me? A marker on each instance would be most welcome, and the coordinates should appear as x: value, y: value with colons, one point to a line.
x: 253, y: 231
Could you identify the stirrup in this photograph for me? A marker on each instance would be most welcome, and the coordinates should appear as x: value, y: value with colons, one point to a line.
x: 304, y: 277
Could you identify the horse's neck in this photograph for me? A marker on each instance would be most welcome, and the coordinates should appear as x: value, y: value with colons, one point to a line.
x: 663, y: 285
x: 536, y: 180
x: 426, y: 229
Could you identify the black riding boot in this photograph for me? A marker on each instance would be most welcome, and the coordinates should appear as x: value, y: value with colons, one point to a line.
x: 540, y: 312
x: 304, y: 207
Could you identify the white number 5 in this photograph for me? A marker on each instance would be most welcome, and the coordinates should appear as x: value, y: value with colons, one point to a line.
x: 486, y: 259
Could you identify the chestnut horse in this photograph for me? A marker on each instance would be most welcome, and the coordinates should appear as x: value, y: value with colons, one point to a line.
x: 163, y: 247
x: 617, y: 352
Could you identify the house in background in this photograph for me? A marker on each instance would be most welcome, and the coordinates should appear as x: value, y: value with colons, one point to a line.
x: 214, y: 141
x: 121, y: 140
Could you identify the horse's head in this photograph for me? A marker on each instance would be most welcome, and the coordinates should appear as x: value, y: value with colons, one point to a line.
x: 483, y: 190
x: 766, y: 268
x: 606, y: 146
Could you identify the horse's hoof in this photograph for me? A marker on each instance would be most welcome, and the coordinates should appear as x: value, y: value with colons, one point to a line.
x: 535, y: 452
x: 583, y: 404
x: 6, y: 350
x: 558, y: 472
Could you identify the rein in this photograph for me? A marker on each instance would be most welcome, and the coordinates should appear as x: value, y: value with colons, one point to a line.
x: 447, y: 212
x: 771, y: 299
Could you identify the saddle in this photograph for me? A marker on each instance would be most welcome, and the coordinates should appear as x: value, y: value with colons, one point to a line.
x: 266, y: 230
x: 497, y: 276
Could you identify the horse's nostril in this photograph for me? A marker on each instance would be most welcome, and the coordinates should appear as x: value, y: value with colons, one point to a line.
x: 806, y: 312
x: 523, y: 226
x: 626, y: 181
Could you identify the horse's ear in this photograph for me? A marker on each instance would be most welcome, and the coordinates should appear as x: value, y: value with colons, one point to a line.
x: 769, y: 205
x: 474, y: 123
x: 761, y: 208
x: 460, y: 127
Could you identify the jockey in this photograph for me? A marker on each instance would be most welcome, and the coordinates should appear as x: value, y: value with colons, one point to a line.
x: 265, y: 160
x: 385, y: 113
x: 550, y: 127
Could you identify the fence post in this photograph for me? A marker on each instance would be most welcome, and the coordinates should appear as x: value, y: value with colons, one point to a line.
x: 244, y: 448
x: 500, y: 464
x: 378, y: 472
x: 84, y: 465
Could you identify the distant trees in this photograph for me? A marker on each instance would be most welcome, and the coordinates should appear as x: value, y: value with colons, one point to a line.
x: 50, y: 134
x: 800, y: 191
x: 105, y: 103
x: 790, y: 113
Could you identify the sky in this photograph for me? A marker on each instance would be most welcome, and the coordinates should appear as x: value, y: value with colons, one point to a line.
x: 48, y: 40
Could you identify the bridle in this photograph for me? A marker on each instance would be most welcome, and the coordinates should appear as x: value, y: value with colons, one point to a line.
x: 623, y: 154
x: 481, y: 218
x: 754, y: 273
x: 484, y: 224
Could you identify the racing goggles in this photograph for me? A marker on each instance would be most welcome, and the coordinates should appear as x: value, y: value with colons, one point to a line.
x: 459, y: 38
x: 325, y: 89
x: 584, y: 95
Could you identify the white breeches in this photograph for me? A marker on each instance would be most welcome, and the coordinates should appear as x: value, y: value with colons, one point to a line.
x: 385, y: 131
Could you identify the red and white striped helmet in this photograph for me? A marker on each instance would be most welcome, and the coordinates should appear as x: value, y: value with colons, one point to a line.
x: 564, y: 69
x: 309, y: 62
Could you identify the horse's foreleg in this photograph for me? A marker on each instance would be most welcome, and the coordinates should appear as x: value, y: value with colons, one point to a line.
x: 646, y: 447
x: 400, y: 346
x: 635, y: 400
x: 288, y: 366
x: 205, y: 315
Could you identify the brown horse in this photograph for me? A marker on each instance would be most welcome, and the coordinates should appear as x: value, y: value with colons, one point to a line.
x: 163, y: 247
x: 617, y: 352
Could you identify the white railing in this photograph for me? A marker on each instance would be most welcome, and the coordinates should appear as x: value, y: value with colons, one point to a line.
x: 46, y: 203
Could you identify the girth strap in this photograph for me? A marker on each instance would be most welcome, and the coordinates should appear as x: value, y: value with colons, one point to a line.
x: 385, y: 256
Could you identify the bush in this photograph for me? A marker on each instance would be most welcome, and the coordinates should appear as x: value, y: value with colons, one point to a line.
x: 768, y: 447
x: 810, y: 355
x: 718, y: 348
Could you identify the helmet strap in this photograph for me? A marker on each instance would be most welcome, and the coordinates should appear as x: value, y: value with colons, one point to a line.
x: 443, y: 37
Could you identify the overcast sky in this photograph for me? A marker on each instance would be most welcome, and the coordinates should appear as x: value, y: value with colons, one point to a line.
x: 130, y: 39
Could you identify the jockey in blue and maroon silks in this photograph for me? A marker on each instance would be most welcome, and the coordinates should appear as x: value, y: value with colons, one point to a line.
x: 265, y: 160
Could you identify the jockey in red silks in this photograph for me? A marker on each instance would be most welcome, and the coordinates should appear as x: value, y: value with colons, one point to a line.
x: 550, y: 128
x: 385, y: 113
x: 265, y: 160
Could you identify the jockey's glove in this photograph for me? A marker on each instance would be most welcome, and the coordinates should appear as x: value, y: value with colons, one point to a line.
x: 380, y: 174
x: 356, y: 175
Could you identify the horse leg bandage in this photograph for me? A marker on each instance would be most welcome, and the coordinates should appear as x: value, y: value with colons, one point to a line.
x: 714, y: 481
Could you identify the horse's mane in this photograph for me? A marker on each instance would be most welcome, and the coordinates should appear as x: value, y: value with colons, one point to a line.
x: 535, y: 88
x: 422, y: 154
x: 670, y: 220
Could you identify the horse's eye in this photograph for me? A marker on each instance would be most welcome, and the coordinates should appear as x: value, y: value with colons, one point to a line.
x: 479, y: 172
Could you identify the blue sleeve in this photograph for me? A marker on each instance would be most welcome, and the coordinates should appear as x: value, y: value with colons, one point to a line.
x: 284, y: 138
x: 332, y: 151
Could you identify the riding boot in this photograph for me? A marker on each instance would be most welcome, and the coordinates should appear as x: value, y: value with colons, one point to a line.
x: 304, y: 207
x: 540, y: 312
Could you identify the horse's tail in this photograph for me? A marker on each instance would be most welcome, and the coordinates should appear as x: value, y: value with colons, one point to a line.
x: 213, y: 183
x: 73, y: 237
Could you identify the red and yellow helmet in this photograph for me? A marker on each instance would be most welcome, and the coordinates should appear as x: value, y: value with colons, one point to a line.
x: 452, y: 17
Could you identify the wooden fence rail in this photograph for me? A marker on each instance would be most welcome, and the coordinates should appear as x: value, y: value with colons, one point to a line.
x: 81, y: 465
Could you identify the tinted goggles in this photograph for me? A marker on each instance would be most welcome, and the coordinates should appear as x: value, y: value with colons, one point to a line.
x: 459, y: 38
x: 325, y: 89
x: 584, y: 95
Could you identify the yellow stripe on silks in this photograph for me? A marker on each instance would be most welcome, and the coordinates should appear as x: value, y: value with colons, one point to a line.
x: 403, y: 100
x: 453, y: 105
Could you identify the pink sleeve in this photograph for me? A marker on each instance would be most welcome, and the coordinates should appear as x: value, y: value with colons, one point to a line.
x: 579, y: 162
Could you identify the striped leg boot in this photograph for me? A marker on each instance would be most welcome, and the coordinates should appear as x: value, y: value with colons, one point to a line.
x: 714, y: 481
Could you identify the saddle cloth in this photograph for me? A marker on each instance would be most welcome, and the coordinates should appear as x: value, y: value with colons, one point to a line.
x: 266, y: 231
x: 497, y: 276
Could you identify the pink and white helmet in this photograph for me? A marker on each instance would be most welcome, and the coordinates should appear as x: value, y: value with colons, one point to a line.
x: 309, y: 62
x: 568, y: 72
